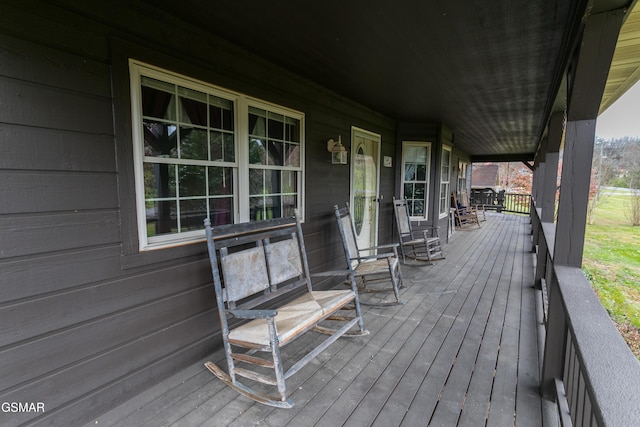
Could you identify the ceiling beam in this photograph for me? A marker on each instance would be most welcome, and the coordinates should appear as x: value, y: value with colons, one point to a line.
x: 516, y: 157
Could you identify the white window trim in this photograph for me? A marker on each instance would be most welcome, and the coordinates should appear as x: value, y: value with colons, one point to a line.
x: 428, y: 176
x: 241, y: 135
x: 445, y: 213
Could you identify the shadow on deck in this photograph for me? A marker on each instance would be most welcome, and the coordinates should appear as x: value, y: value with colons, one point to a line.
x: 462, y: 351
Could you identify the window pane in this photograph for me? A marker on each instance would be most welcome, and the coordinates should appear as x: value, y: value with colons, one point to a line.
x: 257, y: 152
x: 409, y: 172
x: 158, y: 99
x: 229, y: 148
x: 217, y: 146
x: 289, y: 204
x: 191, y: 181
x: 220, y: 181
x: 256, y: 206
x: 192, y: 214
x: 408, y: 191
x: 159, y: 180
x: 227, y: 119
x: 221, y: 211
x: 289, y: 182
x: 160, y: 139
x: 193, y: 144
x: 292, y: 155
x: 220, y: 113
x: 256, y: 182
x: 418, y: 208
x: 421, y: 172
x: 257, y: 122
x: 193, y: 107
x: 415, y: 154
x: 272, y: 182
x: 275, y: 126
x: 161, y: 217
x: 292, y: 130
x: 276, y: 154
x: 272, y: 207
x: 418, y: 191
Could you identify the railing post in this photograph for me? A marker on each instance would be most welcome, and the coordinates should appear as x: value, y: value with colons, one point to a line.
x: 555, y: 339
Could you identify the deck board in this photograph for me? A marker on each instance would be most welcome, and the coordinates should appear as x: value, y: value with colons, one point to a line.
x: 462, y: 350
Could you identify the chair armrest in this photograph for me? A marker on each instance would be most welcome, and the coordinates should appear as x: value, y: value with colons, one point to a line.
x: 389, y: 246
x: 377, y: 256
x: 253, y: 314
x: 331, y: 273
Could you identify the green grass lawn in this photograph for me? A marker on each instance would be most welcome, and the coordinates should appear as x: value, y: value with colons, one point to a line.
x: 612, y: 260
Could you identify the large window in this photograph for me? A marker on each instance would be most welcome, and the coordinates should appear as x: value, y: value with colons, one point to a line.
x: 415, y: 177
x: 445, y: 172
x: 201, y: 151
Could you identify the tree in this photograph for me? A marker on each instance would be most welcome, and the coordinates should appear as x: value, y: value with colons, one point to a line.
x: 632, y: 164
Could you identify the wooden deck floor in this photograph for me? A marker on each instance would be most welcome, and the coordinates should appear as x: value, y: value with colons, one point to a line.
x: 461, y: 351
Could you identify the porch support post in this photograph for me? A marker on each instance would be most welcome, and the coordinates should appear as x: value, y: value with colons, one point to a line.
x: 552, y: 155
x: 588, y: 74
x: 574, y: 192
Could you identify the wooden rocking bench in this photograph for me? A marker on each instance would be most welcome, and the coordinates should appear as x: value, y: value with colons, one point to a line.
x: 262, y: 264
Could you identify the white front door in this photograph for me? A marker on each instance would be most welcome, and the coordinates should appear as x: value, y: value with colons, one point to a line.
x: 365, y: 165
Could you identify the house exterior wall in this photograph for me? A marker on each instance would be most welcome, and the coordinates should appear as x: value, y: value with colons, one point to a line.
x: 86, y: 320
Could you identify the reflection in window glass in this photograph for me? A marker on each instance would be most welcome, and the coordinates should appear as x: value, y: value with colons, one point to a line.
x: 189, y: 165
x: 197, y: 128
x: 274, y: 153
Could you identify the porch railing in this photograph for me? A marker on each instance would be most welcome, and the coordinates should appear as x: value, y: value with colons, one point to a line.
x: 588, y: 369
x: 517, y: 203
x: 502, y: 202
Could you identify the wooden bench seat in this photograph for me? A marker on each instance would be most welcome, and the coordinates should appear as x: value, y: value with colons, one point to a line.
x: 265, y: 300
x: 293, y: 318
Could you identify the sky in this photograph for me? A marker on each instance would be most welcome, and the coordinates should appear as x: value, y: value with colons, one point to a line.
x: 622, y: 118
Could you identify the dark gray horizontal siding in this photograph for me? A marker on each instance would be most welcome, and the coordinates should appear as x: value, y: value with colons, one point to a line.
x: 23, y: 235
x: 33, y: 317
x: 87, y: 378
x: 45, y: 191
x: 32, y: 62
x: 64, y: 347
x: 31, y: 276
x: 34, y: 104
x: 63, y: 150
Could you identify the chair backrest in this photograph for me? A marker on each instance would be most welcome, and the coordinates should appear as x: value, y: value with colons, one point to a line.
x: 403, y: 221
x: 347, y: 232
x: 464, y: 199
x: 244, y: 272
x: 285, y: 262
x: 254, y: 262
x: 454, y: 202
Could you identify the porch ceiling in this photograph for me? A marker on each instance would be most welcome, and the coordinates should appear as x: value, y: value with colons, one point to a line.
x: 625, y: 66
x: 488, y: 70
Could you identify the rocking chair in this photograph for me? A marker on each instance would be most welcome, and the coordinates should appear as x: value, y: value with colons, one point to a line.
x: 422, y: 244
x: 375, y: 266
x: 464, y: 216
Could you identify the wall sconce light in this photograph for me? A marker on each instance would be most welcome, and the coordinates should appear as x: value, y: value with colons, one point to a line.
x: 337, y: 150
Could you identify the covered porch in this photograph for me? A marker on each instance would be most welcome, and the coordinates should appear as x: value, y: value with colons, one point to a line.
x: 462, y: 350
